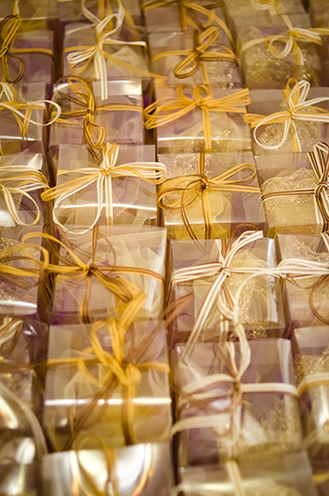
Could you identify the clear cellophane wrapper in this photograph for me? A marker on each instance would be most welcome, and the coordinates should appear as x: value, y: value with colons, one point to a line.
x: 122, y: 127
x: 229, y: 209
x: 16, y: 300
x: 292, y: 213
x: 222, y: 74
x: 267, y: 102
x: 144, y: 468
x: 23, y: 343
x: 39, y: 67
x: 229, y: 132
x: 311, y: 357
x: 79, y: 34
x: 154, y: 17
x: 287, y: 474
x: 72, y: 408
x: 262, y: 423
x: 9, y: 129
x: 70, y: 10
x: 30, y: 10
x: 133, y: 199
x: 124, y: 246
x: 261, y: 69
x: 302, y: 294
x: 18, y: 466
x: 260, y: 302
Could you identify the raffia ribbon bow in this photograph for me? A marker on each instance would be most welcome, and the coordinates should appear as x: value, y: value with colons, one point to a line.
x: 167, y: 110
x: 81, y: 97
x: 290, y: 42
x: 8, y: 101
x: 299, y: 109
x: 97, y: 53
x: 152, y: 172
x: 193, y: 58
x: 190, y: 188
x: 188, y: 11
x: 21, y: 180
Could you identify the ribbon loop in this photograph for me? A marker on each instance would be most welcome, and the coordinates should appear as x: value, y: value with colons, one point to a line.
x: 9, y: 28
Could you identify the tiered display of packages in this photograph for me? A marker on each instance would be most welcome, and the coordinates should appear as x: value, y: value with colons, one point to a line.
x: 164, y: 248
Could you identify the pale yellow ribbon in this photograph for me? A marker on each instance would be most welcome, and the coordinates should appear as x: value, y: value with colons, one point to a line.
x: 151, y: 172
x: 299, y: 109
x: 167, y: 110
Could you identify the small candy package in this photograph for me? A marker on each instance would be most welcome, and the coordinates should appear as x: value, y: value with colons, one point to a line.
x: 146, y: 468
x: 102, y: 271
x: 100, y: 389
x: 209, y: 195
x: 218, y: 275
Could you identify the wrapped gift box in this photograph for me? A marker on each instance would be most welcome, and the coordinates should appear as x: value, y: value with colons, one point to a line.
x: 194, y: 58
x: 264, y: 69
x: 37, y: 64
x: 312, y: 374
x: 70, y: 10
x: 135, y: 255
x: 21, y: 294
x: 212, y: 122
x: 30, y: 9
x: 233, y: 194
x: 130, y: 200
x: 146, y: 468
x: 307, y: 298
x: 281, y: 178
x: 221, y: 422
x: 18, y: 465
x: 270, y: 135
x: 288, y: 474
x: 83, y: 407
x: 120, y: 116
x: 260, y: 301
x: 319, y: 13
x: 183, y: 18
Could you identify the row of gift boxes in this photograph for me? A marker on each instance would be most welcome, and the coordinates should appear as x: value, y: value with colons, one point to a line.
x: 84, y: 408
x: 126, y: 186
x: 89, y: 269
x: 148, y: 469
x: 169, y: 46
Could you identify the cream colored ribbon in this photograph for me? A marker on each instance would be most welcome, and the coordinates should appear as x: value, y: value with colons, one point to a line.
x: 8, y: 101
x: 154, y: 172
x: 96, y: 52
x: 25, y: 180
x: 297, y: 111
x: 271, y: 5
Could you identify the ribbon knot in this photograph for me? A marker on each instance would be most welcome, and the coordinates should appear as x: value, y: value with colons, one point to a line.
x: 205, y: 182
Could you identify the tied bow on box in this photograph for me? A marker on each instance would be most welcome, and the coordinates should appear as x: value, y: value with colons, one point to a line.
x: 319, y: 160
x: 81, y: 57
x: 188, y: 14
x: 167, y: 110
x: 299, y: 109
x: 81, y: 97
x: 191, y: 188
x: 194, y: 59
x: 152, y: 172
x: 290, y: 42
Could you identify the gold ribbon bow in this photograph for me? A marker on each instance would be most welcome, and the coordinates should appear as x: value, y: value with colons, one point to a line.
x: 153, y: 173
x: 319, y: 160
x: 8, y: 101
x: 167, y: 110
x: 299, y: 109
x: 24, y: 180
x: 290, y: 42
x: 121, y: 367
x: 194, y: 58
x: 191, y: 188
x: 72, y: 267
x: 188, y: 14
x: 81, y: 96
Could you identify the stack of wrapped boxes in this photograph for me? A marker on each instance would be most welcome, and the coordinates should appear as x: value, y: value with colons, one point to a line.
x: 164, y: 262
